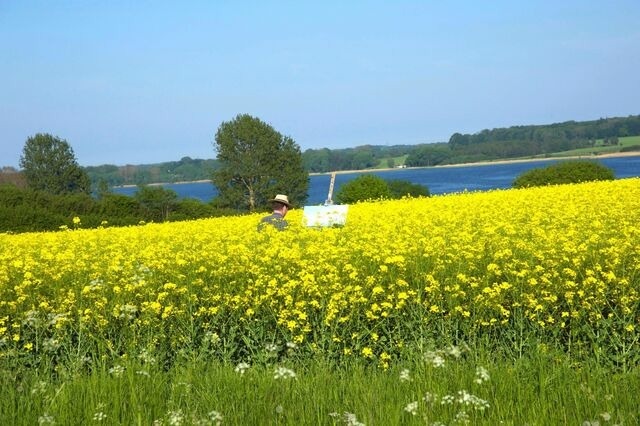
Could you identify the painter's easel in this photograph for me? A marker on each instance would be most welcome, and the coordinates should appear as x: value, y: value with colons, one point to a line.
x: 328, y: 214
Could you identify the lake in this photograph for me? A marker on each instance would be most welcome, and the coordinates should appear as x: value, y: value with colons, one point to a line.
x: 439, y: 180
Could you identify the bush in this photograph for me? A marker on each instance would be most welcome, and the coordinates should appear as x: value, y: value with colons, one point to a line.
x: 118, y: 209
x: 11, y: 195
x: 403, y: 188
x: 26, y: 218
x: 190, y: 208
x: 76, y: 204
x: 156, y: 201
x: 364, y: 187
x: 111, y: 205
x: 564, y: 172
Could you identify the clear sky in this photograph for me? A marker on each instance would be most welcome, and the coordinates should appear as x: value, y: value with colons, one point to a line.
x: 136, y: 82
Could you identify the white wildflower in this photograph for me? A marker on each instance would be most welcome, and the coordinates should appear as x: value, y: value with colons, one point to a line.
x: 99, y: 416
x: 482, y: 375
x: 468, y: 399
x: 292, y: 345
x: 435, y: 359
x: 31, y: 318
x: 241, y: 367
x: 605, y: 416
x: 462, y: 417
x: 215, y: 417
x: 146, y: 357
x: 39, y: 388
x: 348, y: 418
x: 430, y: 397
x: 412, y: 408
x: 447, y: 399
x: 46, y: 419
x: 50, y: 345
x: 271, y: 347
x: 454, y: 351
x: 351, y: 420
x: 405, y: 375
x: 128, y: 312
x: 284, y: 373
x: 175, y: 418
x: 116, y: 370
x: 212, y: 338
x: 54, y: 319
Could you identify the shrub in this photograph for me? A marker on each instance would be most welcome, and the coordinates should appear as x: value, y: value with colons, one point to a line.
x: 118, y: 209
x: 364, y: 187
x: 564, y: 172
x: 11, y: 195
x: 28, y: 218
x: 156, y: 201
x: 75, y: 204
x: 190, y: 208
x: 403, y: 188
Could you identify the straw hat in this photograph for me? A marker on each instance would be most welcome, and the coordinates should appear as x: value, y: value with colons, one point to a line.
x: 282, y: 199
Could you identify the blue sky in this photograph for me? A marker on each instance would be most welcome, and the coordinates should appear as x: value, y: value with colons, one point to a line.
x: 133, y: 82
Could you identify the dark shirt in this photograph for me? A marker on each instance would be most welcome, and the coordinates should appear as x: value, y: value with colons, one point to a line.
x: 274, y: 219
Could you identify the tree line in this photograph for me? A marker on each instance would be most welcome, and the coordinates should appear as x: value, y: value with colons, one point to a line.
x: 499, y: 143
x: 495, y: 144
x: 187, y: 169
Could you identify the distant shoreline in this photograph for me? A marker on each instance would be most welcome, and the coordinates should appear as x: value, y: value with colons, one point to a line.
x: 479, y: 163
x: 490, y: 162
x: 164, y: 183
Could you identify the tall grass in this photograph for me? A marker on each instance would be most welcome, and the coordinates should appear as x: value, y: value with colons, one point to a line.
x: 542, y: 390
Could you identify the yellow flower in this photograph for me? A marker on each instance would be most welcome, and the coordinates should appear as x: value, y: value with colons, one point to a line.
x: 367, y: 352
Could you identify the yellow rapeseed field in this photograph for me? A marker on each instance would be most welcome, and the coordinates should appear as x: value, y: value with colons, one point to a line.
x: 559, y: 263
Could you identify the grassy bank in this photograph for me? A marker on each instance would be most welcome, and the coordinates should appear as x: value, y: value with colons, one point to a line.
x: 434, y: 388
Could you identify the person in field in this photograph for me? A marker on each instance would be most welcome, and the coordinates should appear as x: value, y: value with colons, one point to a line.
x: 281, y: 206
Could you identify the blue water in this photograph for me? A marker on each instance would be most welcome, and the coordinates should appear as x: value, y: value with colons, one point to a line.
x: 439, y: 180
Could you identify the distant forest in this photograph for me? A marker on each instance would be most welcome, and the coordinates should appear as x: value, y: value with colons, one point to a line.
x: 501, y: 143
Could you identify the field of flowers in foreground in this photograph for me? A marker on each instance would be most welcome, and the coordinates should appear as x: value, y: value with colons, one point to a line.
x: 516, y: 271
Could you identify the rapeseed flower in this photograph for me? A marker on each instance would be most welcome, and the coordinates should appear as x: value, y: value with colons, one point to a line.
x: 553, y: 261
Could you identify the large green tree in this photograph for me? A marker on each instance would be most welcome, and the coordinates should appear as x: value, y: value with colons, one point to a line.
x: 255, y: 163
x: 50, y: 165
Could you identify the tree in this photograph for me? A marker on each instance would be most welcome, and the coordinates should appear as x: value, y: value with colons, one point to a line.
x: 255, y: 163
x: 49, y: 165
x: 364, y: 187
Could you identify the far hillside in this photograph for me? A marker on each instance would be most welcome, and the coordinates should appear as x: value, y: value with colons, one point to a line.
x: 569, y: 138
x: 602, y: 146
